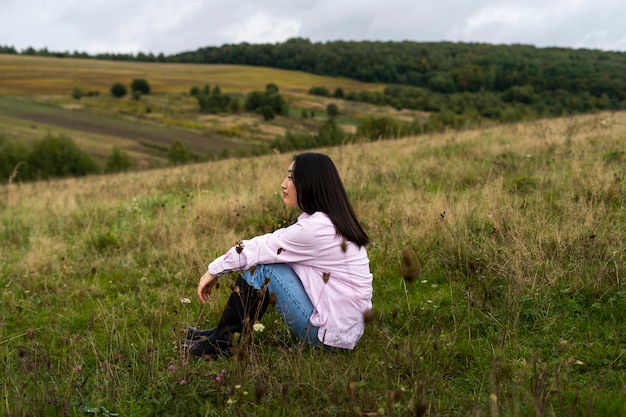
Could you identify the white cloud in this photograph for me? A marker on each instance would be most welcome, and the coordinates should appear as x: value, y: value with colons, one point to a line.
x: 261, y: 28
x: 171, y: 26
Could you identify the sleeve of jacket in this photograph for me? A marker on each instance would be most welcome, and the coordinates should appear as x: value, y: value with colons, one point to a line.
x: 296, y: 243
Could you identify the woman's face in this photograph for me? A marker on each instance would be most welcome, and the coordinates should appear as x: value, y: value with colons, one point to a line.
x: 290, y: 198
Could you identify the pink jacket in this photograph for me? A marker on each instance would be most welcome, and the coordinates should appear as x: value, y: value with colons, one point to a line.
x: 315, y: 252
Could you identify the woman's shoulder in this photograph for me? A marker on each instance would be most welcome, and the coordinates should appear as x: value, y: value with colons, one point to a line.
x: 318, y: 217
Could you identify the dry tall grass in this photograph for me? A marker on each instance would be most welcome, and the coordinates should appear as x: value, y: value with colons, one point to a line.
x: 516, y: 231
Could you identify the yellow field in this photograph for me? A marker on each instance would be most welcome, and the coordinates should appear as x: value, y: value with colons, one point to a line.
x: 29, y: 75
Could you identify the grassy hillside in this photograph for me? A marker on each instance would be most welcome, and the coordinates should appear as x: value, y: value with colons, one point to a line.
x: 514, y: 235
x: 145, y: 128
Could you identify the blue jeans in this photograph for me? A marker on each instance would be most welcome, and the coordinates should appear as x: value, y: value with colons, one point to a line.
x: 292, y: 302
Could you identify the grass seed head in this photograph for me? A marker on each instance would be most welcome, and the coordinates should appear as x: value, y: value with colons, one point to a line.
x: 273, y: 298
x: 369, y: 316
x: 239, y: 246
x: 259, y: 392
x: 409, y: 268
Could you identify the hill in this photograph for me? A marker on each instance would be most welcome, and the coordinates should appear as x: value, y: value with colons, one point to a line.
x: 148, y: 126
x: 514, y: 304
x: 460, y: 84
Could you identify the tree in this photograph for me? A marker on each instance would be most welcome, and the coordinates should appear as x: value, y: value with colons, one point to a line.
x: 141, y: 85
x: 338, y: 93
x: 118, y: 90
x: 213, y: 101
x: 257, y: 100
x: 267, y: 112
x: 332, y: 110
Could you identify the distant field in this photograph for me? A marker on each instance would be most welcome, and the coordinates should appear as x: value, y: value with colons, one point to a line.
x: 73, y: 120
x: 35, y: 99
x: 25, y: 75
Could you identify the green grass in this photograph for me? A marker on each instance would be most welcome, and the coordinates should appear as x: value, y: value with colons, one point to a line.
x: 516, y: 244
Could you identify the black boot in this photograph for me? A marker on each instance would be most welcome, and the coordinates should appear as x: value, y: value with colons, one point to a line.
x: 245, y: 306
x: 197, y: 334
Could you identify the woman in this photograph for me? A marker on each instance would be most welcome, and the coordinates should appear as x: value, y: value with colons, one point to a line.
x: 317, y: 268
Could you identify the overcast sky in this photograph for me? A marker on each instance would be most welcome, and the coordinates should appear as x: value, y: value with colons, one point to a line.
x: 172, y: 26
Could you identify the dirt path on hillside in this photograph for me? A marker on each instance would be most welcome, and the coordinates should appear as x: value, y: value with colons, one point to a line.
x: 85, y: 122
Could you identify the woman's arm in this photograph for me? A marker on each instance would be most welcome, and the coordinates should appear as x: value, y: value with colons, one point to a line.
x: 206, y: 284
x: 297, y: 243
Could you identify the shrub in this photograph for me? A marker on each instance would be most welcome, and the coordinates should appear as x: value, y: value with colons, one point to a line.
x: 118, y: 90
x: 118, y: 161
x: 194, y: 91
x: 332, y: 110
x: 338, y: 93
x: 58, y: 156
x: 257, y: 100
x: 234, y: 106
x: 141, y: 85
x: 319, y: 91
x: 12, y: 153
x: 267, y: 112
x: 330, y: 134
x: 214, y: 103
x: 180, y: 153
x: 77, y: 94
x: 376, y: 128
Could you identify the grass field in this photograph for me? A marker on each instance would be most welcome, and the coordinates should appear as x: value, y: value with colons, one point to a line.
x: 35, y: 99
x: 43, y: 75
x: 514, y: 234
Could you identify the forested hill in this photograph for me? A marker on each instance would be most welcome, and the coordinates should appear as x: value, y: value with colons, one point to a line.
x: 457, y: 83
x: 441, y: 66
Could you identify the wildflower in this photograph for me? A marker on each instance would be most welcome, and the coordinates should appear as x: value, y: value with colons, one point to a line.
x: 182, y: 382
x: 185, y: 301
x: 78, y: 368
x: 258, y: 327
x: 171, y: 368
x: 218, y: 377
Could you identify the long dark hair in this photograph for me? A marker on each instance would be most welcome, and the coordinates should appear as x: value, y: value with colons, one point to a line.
x: 319, y: 188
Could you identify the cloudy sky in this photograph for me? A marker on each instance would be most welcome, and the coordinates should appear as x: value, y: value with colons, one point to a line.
x: 172, y: 26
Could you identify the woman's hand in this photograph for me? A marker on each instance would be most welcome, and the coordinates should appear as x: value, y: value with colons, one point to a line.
x: 206, y: 284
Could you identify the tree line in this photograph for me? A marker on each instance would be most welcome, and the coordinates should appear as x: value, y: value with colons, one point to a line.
x: 462, y: 80
x: 444, y: 67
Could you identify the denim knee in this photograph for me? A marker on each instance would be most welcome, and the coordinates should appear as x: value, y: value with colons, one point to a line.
x: 293, y: 303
